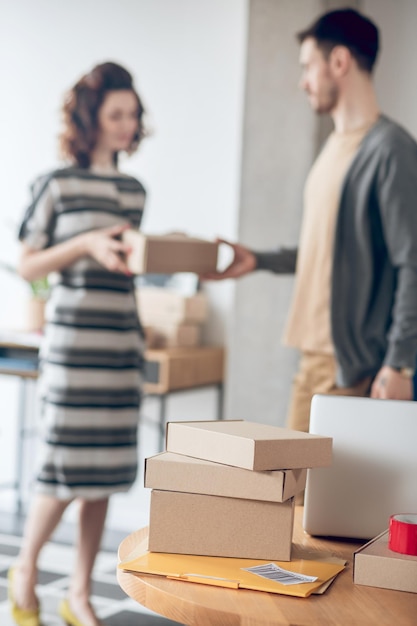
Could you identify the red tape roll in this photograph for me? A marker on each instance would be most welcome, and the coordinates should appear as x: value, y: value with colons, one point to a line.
x: 403, y: 534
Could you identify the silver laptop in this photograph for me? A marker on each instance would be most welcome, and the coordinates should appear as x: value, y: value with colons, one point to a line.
x: 374, y: 469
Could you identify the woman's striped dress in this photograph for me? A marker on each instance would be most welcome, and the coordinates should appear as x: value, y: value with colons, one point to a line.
x: 92, y: 350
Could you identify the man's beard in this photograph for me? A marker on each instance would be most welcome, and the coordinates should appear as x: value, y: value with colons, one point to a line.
x: 327, y: 100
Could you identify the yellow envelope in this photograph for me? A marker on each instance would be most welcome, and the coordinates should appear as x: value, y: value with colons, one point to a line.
x: 228, y: 572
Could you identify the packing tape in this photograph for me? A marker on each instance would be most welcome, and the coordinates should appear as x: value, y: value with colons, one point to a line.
x: 403, y: 534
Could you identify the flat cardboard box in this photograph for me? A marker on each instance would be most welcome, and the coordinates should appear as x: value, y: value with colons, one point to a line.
x: 168, y: 306
x: 183, y: 368
x: 376, y: 565
x: 173, y: 336
x: 167, y: 254
x: 249, y: 445
x: 174, y: 472
x: 187, y: 523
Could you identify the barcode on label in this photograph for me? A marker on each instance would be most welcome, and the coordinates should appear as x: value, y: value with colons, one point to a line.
x: 280, y: 575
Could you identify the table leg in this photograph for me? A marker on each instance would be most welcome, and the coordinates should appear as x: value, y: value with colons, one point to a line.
x: 220, y: 401
x: 21, y: 418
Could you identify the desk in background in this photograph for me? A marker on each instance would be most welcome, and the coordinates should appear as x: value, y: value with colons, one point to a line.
x: 343, y: 604
x: 175, y: 370
x: 167, y: 372
x: 19, y: 357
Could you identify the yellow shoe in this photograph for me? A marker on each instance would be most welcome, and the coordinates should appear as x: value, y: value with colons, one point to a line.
x: 22, y: 617
x: 67, y: 615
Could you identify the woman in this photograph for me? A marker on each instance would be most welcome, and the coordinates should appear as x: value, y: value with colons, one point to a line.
x: 91, y: 354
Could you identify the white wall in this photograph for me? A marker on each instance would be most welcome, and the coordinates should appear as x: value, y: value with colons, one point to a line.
x: 188, y: 58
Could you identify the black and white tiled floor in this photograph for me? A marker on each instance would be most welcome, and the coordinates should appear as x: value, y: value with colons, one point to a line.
x: 111, y: 604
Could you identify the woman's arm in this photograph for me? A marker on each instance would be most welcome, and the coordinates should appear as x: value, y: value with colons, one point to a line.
x: 101, y: 245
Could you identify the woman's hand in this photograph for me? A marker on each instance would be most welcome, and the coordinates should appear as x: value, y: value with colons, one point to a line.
x: 243, y: 262
x: 102, y: 246
x: 99, y: 244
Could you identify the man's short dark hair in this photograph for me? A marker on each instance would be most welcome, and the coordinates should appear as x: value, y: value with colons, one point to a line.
x: 346, y: 27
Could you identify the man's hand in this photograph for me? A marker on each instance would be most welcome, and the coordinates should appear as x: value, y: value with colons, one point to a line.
x: 390, y: 384
x: 243, y: 262
x: 102, y: 246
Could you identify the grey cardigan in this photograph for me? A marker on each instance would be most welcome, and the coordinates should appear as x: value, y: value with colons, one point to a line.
x: 374, y: 278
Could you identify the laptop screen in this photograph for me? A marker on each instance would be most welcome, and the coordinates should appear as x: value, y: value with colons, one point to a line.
x: 374, y: 469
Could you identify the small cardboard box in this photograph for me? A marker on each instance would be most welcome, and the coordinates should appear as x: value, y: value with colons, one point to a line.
x: 376, y: 565
x: 172, y: 336
x: 187, y: 523
x: 156, y: 303
x: 174, y: 472
x: 183, y: 368
x: 167, y: 254
x: 249, y: 445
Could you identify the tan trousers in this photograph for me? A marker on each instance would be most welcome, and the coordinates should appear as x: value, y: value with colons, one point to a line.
x: 317, y: 374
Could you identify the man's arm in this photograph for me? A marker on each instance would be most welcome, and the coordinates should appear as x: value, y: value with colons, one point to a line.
x: 398, y: 209
x: 281, y: 261
x: 245, y: 261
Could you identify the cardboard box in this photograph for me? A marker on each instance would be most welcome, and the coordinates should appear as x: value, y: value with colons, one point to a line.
x: 173, y: 336
x: 167, y: 254
x: 174, y: 472
x: 167, y: 306
x: 376, y: 565
x: 183, y: 368
x: 186, y: 523
x: 151, y: 336
x: 249, y: 445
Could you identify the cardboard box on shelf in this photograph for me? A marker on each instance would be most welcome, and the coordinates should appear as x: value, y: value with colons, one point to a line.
x: 151, y: 336
x: 375, y: 565
x: 167, y: 254
x: 186, y: 523
x: 183, y: 368
x: 249, y: 445
x: 174, y: 472
x: 173, y: 336
x: 168, y: 306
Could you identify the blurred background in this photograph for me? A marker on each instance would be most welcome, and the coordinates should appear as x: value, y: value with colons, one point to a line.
x: 232, y: 140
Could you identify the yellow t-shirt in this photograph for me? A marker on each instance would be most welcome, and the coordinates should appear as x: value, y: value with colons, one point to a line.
x: 308, y: 326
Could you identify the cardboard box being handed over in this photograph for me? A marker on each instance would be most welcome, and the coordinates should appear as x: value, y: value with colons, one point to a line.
x: 167, y: 254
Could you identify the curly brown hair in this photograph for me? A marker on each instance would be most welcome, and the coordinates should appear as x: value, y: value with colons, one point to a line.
x: 81, y: 107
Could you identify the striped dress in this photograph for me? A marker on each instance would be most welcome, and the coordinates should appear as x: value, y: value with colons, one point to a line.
x: 91, y: 357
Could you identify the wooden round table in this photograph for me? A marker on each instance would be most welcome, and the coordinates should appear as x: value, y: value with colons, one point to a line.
x: 343, y: 604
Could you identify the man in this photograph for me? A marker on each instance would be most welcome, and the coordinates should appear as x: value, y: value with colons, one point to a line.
x: 354, y: 309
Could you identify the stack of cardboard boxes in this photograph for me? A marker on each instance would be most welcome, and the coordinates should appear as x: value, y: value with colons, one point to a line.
x: 170, y: 319
x: 226, y: 488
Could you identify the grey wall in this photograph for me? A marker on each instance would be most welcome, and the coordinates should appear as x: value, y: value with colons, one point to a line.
x: 278, y: 146
x: 396, y: 73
